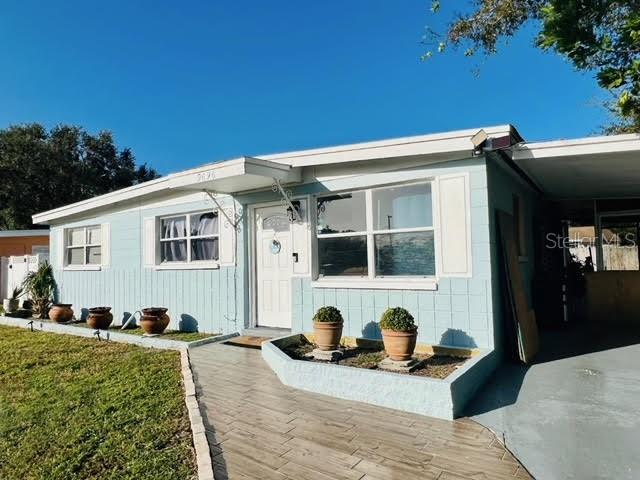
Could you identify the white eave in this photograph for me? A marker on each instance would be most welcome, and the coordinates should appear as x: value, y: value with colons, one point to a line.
x: 587, y: 168
x: 250, y: 173
x: 233, y: 176
x: 455, y: 142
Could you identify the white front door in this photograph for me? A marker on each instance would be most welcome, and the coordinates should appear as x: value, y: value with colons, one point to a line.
x: 274, y: 267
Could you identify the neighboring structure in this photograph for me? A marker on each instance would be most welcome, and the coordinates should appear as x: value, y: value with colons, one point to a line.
x: 23, y: 242
x: 267, y: 241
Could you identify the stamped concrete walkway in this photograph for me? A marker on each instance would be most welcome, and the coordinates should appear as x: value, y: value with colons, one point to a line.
x: 261, y: 429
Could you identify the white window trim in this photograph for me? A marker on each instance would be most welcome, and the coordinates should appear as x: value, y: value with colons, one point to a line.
x: 67, y: 246
x: 371, y: 281
x: 189, y: 264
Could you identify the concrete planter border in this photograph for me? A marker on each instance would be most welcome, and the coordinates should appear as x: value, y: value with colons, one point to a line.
x: 422, y: 395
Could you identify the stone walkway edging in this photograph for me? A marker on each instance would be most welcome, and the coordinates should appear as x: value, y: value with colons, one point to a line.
x: 111, y: 336
x: 200, y: 442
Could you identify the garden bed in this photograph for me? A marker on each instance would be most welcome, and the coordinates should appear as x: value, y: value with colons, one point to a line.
x: 75, y: 408
x: 434, y: 366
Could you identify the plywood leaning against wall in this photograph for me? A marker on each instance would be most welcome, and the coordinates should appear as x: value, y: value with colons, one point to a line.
x: 526, y: 327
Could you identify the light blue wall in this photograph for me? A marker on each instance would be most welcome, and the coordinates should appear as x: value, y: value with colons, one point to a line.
x: 503, y: 183
x: 459, y: 313
x: 212, y: 298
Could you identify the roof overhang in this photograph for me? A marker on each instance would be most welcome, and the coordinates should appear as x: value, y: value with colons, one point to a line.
x: 589, y: 168
x: 232, y: 176
x: 249, y: 173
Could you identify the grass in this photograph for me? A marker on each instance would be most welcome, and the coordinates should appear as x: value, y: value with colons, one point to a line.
x: 167, y: 335
x: 73, y: 408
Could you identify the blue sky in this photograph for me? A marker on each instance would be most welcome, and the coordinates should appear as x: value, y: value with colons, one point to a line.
x: 185, y: 83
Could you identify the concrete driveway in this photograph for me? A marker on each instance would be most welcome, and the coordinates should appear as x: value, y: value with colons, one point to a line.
x: 574, y: 414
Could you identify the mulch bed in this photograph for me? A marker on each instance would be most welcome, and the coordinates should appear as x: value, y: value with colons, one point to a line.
x: 434, y: 366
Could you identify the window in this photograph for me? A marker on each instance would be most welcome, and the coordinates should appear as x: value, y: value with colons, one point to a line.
x: 193, y: 237
x: 83, y: 246
x: 376, y: 233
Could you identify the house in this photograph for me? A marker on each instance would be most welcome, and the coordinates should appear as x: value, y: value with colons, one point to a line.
x: 264, y: 242
x: 23, y: 242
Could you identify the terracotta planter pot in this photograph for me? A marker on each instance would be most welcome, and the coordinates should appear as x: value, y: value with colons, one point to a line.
x: 61, y: 312
x: 154, y: 320
x: 100, y: 318
x: 399, y: 345
x: 328, y: 334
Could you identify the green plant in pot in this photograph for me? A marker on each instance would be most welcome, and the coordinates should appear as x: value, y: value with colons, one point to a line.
x: 40, y: 287
x: 11, y: 304
x: 399, y: 333
x: 327, y: 326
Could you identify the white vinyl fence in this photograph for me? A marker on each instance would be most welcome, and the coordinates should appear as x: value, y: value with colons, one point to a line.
x: 13, y: 270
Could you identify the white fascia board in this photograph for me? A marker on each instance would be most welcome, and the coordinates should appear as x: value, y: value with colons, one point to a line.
x: 284, y: 167
x: 579, y: 146
x: 122, y: 195
x: 235, y: 175
x: 456, y: 141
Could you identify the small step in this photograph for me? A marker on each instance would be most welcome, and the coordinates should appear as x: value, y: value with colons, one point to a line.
x: 268, y: 332
x: 247, y: 341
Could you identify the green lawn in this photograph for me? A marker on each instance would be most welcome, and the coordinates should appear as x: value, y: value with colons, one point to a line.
x: 74, y: 408
x: 167, y: 335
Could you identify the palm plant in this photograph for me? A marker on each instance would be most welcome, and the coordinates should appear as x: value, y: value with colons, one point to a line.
x: 40, y: 286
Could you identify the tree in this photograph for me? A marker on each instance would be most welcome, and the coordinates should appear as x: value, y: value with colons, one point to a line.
x: 602, y: 36
x: 41, y: 170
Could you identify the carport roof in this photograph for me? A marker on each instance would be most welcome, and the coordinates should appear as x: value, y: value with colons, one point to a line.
x: 587, y: 168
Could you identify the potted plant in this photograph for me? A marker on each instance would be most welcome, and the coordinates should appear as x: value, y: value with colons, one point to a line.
x: 12, y: 304
x: 327, y: 326
x: 399, y: 333
x: 61, y: 312
x: 100, y: 317
x: 154, y: 320
x: 40, y: 287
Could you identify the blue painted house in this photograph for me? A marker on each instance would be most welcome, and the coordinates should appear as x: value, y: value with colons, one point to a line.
x: 265, y: 242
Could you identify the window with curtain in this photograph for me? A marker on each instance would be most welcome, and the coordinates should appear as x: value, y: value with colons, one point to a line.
x: 377, y: 233
x: 193, y: 237
x: 83, y: 245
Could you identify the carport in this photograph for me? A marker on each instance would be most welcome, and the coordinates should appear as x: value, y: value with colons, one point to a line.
x: 574, y: 412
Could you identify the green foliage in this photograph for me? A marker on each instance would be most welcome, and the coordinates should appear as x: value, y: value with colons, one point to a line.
x: 75, y: 408
x: 601, y: 36
x: 397, y: 319
x: 40, y: 287
x: 17, y: 293
x: 328, y: 314
x: 41, y: 170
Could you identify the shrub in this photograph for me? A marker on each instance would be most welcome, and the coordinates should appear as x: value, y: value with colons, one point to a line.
x: 327, y: 314
x: 40, y: 286
x: 397, y: 319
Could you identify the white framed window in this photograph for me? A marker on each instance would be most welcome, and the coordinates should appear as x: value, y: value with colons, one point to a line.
x: 377, y: 234
x: 83, y: 246
x: 191, y: 238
